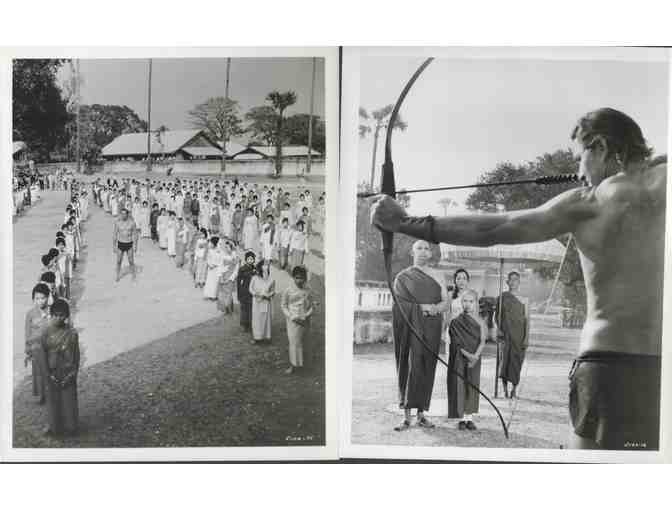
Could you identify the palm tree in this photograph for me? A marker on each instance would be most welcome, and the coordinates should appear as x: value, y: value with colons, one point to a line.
x: 381, y: 119
x: 447, y: 202
x: 280, y: 102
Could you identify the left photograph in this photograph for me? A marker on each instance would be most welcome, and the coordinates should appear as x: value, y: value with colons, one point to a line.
x: 169, y: 227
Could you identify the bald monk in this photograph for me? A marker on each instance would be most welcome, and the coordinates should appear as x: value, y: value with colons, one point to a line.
x: 618, y: 222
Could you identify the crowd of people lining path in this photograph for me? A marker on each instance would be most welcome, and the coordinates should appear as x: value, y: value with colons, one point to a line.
x: 27, y: 187
x: 200, y: 225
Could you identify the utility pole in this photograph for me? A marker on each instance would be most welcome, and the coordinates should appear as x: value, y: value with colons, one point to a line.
x: 78, y: 99
x: 310, y: 119
x: 149, y: 118
x: 226, y: 123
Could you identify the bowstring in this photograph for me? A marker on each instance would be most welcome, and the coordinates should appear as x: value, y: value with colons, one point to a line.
x: 527, y: 364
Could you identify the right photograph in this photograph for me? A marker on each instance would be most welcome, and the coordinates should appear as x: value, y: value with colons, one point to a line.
x: 509, y: 248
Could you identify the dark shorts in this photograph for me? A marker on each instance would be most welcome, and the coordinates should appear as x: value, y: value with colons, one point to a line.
x: 614, y: 399
x: 124, y: 246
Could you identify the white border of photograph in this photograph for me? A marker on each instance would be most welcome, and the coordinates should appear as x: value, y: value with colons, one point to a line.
x: 330, y: 450
x: 348, y: 188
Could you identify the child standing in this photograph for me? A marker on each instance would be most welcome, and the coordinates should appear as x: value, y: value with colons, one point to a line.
x: 37, y: 319
x: 467, y: 333
x: 297, y: 306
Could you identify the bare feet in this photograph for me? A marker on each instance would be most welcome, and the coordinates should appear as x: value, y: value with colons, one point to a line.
x: 289, y: 371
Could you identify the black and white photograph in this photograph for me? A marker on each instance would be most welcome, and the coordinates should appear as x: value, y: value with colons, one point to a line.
x: 169, y: 219
x: 508, y: 228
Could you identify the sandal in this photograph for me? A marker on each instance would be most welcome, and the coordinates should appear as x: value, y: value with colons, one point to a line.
x: 425, y: 423
x: 405, y: 425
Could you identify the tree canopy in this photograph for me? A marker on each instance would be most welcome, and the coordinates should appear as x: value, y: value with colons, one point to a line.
x: 524, y: 196
x: 219, y: 117
x: 39, y: 111
x: 268, y: 123
x: 99, y: 124
x: 296, y: 131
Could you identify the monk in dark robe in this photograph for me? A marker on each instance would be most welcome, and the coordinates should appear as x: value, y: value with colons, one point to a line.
x: 467, y: 333
x: 515, y: 327
x: 245, y: 274
x: 421, y: 301
x: 57, y: 353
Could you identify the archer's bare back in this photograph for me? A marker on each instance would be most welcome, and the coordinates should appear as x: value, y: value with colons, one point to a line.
x: 622, y: 252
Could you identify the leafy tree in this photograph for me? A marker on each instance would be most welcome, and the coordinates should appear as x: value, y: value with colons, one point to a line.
x: 296, y: 129
x: 267, y: 123
x: 525, y: 196
x: 99, y: 125
x: 262, y: 125
x: 219, y: 118
x: 39, y: 111
x: 380, y: 120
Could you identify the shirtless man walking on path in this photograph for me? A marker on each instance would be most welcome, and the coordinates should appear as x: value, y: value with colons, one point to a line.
x: 618, y: 222
x: 125, y: 240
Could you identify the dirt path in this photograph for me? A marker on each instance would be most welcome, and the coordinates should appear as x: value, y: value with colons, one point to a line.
x: 114, y: 317
x: 538, y: 420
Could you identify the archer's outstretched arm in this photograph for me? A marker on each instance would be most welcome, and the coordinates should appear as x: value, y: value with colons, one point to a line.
x: 558, y: 216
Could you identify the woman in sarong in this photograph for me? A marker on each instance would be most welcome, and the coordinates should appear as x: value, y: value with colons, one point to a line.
x: 515, y: 327
x: 57, y: 353
x: 468, y: 332
x: 214, y: 260
x: 267, y: 239
x: 251, y: 232
x: 171, y: 234
x: 161, y: 226
x: 262, y: 288
x: 181, y: 241
x: 135, y: 211
x: 421, y: 300
x: 114, y: 204
x: 227, y: 280
x: 200, y: 254
x: 226, y: 216
x: 144, y: 220
x: 214, y: 218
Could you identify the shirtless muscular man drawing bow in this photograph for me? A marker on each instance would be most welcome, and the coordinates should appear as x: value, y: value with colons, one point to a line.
x: 618, y: 223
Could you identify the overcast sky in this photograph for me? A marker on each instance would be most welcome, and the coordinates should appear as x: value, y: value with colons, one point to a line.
x: 465, y: 116
x: 180, y: 84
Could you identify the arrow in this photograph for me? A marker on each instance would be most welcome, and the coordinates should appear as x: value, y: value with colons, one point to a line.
x: 547, y: 179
